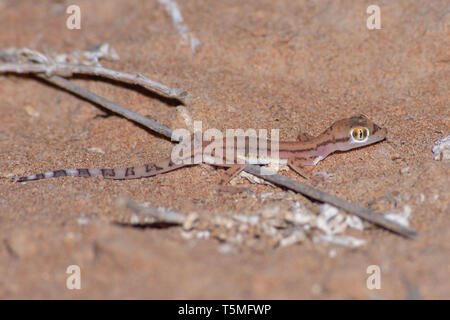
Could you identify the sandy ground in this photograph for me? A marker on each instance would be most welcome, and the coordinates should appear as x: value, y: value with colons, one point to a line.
x: 292, y: 65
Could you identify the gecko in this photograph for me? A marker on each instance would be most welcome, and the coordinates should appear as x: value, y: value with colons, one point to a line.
x: 343, y: 135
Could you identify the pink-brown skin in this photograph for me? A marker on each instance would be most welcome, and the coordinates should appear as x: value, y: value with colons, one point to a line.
x: 343, y: 135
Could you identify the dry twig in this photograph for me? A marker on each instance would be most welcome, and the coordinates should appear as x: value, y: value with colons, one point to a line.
x: 26, y: 61
x: 67, y: 70
x: 317, y: 194
x: 159, y: 214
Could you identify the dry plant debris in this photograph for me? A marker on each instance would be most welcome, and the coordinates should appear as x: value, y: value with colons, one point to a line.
x: 278, y: 224
x: 441, y: 149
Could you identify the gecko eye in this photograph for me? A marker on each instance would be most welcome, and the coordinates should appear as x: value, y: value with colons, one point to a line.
x: 359, y: 134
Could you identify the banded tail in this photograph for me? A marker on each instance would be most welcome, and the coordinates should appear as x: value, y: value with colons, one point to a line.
x: 147, y: 170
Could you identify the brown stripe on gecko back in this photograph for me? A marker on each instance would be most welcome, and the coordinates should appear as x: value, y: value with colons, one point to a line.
x: 331, y: 141
x: 296, y: 150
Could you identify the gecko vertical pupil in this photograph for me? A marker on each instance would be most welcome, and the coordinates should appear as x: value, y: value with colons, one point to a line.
x: 360, y: 133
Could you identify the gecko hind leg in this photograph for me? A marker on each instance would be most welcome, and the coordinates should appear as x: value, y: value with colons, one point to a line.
x: 297, y: 166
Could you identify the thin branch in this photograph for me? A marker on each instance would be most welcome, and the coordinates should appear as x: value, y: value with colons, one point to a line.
x: 317, y: 194
x: 67, y: 70
x: 159, y: 214
x: 177, y: 19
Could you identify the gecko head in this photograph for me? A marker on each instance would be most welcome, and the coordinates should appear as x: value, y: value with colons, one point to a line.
x: 356, y: 132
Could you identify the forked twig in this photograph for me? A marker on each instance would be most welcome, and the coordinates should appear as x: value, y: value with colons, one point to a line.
x: 27, y: 61
x: 67, y: 70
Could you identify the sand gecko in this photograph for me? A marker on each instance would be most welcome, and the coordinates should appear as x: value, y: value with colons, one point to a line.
x: 343, y: 135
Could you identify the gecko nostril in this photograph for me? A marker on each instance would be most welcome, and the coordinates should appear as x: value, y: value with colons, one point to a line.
x: 375, y: 128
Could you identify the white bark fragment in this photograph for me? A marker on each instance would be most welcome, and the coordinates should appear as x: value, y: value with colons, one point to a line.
x: 441, y: 149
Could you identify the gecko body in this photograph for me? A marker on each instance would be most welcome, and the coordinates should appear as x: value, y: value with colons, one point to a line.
x: 343, y: 135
